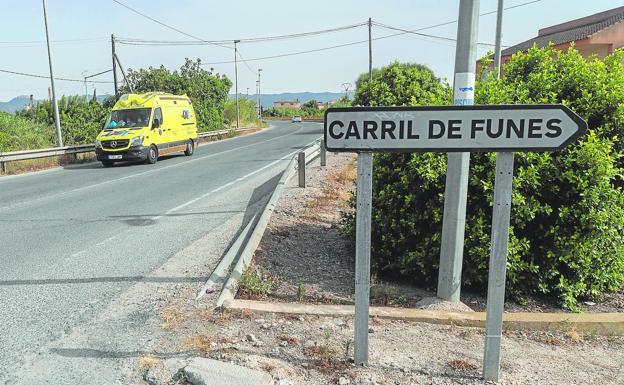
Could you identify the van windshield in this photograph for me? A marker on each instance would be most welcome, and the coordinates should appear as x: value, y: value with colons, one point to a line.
x: 130, y: 118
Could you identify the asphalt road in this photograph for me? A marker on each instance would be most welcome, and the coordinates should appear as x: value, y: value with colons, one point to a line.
x: 73, y: 239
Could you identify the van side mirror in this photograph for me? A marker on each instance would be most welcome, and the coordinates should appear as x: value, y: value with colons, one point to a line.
x: 156, y: 123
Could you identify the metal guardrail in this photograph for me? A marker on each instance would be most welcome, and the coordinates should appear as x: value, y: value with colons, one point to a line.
x: 79, y: 149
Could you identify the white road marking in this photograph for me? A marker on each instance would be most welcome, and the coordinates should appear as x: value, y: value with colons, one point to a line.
x: 185, y: 204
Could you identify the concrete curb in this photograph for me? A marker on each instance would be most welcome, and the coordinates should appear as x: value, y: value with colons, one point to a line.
x: 229, y: 290
x: 609, y: 324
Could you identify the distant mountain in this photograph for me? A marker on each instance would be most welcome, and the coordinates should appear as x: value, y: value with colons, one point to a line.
x: 268, y: 99
x: 15, y: 104
x: 20, y: 102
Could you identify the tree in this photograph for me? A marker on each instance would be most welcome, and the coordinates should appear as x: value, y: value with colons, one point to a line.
x: 400, y: 85
x: 310, y: 105
x: 208, y: 91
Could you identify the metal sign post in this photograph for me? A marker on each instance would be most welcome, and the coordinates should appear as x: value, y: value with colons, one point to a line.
x: 362, y: 255
x: 498, y: 263
x: 502, y: 128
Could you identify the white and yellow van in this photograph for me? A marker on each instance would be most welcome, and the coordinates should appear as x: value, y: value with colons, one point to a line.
x: 144, y: 127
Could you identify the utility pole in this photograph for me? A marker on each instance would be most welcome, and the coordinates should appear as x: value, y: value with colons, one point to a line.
x: 259, y: 96
x: 247, y: 92
x: 236, y: 81
x: 346, y: 86
x: 370, y: 49
x: 363, y: 239
x: 458, y: 164
x: 57, y: 121
x: 498, y: 39
x: 85, y: 84
x: 497, y: 271
x: 113, y: 56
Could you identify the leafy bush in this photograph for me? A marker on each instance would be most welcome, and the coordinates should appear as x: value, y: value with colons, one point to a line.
x: 208, y: 91
x: 567, y: 220
x: 248, y: 112
x: 81, y: 119
x: 17, y: 133
x: 255, y: 282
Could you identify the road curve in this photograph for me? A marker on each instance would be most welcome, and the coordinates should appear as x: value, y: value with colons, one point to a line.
x: 74, y: 238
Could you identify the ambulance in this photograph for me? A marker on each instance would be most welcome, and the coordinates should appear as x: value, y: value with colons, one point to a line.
x: 142, y: 127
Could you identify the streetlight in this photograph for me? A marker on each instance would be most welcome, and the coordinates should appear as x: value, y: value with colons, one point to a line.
x: 259, y: 101
x: 236, y: 81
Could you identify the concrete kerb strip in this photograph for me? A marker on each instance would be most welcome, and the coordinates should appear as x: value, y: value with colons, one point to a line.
x: 231, y: 286
x: 222, y: 269
x: 609, y: 324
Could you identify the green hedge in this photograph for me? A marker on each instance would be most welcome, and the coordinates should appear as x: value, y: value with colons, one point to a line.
x: 567, y: 220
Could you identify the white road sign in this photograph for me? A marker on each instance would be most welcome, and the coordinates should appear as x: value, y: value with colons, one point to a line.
x: 540, y: 127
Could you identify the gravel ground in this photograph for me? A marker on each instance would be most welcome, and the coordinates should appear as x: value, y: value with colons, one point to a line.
x: 303, y: 239
x: 314, y: 350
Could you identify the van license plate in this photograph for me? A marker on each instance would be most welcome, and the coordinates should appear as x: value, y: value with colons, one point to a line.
x: 114, y: 157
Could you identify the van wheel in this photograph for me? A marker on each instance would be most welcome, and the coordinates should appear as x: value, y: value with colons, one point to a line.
x: 107, y: 163
x: 152, y: 155
x: 190, y: 148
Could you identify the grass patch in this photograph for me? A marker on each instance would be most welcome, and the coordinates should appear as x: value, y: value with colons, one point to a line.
x: 255, y: 283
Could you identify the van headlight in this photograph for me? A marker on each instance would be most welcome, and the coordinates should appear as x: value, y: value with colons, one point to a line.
x: 137, y: 141
x: 98, y: 144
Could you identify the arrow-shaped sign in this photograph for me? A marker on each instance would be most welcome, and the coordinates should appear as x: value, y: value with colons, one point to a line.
x: 540, y: 127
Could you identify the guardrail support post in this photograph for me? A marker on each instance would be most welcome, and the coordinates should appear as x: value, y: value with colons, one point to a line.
x: 301, y: 167
x: 323, y: 154
x: 3, y: 167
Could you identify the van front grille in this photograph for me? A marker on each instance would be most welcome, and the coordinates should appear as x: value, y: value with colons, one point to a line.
x: 115, y: 144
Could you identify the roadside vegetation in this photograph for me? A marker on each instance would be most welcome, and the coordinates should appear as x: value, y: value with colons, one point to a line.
x: 207, y: 90
x: 18, y: 133
x: 567, y: 220
x: 309, y: 109
x: 82, y: 118
x: 248, y: 113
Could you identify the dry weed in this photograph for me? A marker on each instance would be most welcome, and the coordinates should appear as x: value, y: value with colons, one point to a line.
x: 574, y: 336
x: 200, y: 343
x: 147, y: 361
x: 290, y: 340
x: 462, y: 365
x: 171, y: 318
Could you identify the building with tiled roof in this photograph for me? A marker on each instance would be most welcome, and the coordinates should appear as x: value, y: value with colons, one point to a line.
x: 599, y: 34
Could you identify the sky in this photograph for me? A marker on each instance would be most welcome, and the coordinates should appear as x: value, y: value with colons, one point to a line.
x: 23, y: 49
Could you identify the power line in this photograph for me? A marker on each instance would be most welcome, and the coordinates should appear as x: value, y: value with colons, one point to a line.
x: 245, y: 62
x: 55, y: 78
x: 60, y: 41
x: 136, y: 41
x: 422, y: 34
x: 168, y: 26
x: 404, y: 32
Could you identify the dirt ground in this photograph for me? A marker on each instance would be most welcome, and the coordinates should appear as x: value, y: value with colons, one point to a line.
x: 314, y: 350
x: 303, y: 240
